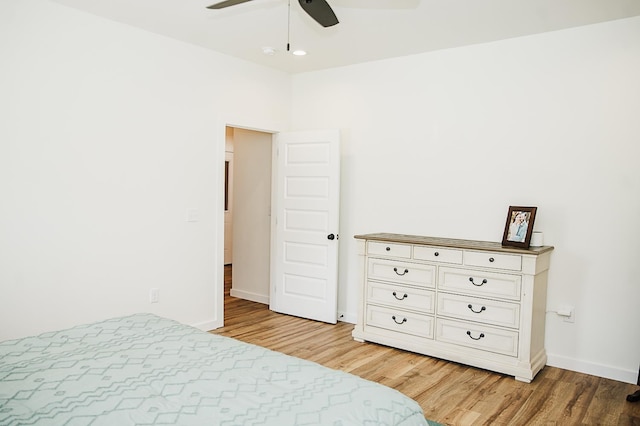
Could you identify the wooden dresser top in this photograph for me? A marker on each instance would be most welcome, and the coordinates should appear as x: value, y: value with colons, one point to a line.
x: 451, y: 242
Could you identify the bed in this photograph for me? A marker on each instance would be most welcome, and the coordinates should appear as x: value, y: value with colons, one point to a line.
x: 147, y: 370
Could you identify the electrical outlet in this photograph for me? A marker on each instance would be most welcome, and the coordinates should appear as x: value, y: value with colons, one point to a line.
x: 192, y: 215
x: 154, y: 295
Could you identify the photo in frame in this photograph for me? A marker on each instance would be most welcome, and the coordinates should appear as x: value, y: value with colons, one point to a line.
x: 519, y: 227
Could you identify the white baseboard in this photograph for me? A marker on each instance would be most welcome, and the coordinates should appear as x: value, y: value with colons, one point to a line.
x: 593, y: 369
x: 207, y: 325
x: 247, y: 295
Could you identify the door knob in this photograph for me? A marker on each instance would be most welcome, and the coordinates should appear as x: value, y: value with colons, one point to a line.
x: 331, y: 236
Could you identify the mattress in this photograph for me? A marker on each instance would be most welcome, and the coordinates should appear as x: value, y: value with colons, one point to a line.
x: 147, y: 370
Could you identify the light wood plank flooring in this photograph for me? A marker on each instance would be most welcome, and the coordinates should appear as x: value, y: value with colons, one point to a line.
x: 449, y: 393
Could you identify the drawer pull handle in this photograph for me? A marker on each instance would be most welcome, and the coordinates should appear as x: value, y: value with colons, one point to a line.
x: 400, y: 298
x: 396, y: 321
x: 470, y: 306
x: 406, y: 271
x: 388, y: 249
x: 491, y: 259
x: 436, y: 254
x: 475, y: 338
x: 484, y: 281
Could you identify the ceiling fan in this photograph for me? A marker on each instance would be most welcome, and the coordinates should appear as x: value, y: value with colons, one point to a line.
x: 319, y: 10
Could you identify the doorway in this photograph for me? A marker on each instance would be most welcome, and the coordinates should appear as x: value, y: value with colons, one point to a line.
x: 248, y: 236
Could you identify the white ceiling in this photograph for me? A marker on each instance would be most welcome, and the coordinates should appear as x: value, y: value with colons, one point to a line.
x: 368, y: 29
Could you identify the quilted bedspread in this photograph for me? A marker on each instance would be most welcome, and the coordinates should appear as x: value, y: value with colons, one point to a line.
x: 147, y: 370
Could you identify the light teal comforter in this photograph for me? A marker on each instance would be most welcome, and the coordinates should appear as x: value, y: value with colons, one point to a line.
x: 147, y: 370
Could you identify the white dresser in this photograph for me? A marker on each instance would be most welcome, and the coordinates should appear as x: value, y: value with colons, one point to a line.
x: 472, y: 302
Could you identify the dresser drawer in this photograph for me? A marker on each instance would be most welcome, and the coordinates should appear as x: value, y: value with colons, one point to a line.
x: 376, y: 248
x: 478, y: 336
x: 480, y: 283
x: 438, y: 254
x: 487, y: 311
x: 510, y: 262
x: 400, y: 321
x: 401, y: 297
x: 401, y: 272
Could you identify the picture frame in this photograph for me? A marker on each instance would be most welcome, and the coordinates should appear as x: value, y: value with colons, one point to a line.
x: 519, y: 226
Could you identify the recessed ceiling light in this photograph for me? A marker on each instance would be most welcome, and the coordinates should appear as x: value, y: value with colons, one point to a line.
x: 299, y: 52
x: 269, y: 51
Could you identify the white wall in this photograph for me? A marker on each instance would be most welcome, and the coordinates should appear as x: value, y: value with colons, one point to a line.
x: 252, y: 215
x: 108, y: 136
x: 442, y: 143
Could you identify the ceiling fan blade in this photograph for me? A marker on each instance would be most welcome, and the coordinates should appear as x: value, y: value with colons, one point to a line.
x: 320, y: 11
x: 226, y: 3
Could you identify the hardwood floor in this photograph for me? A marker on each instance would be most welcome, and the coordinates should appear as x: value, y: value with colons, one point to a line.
x: 449, y: 393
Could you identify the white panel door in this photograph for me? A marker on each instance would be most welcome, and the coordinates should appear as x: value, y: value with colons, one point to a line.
x: 304, y: 279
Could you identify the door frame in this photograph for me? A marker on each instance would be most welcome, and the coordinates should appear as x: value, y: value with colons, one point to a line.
x: 220, y: 150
